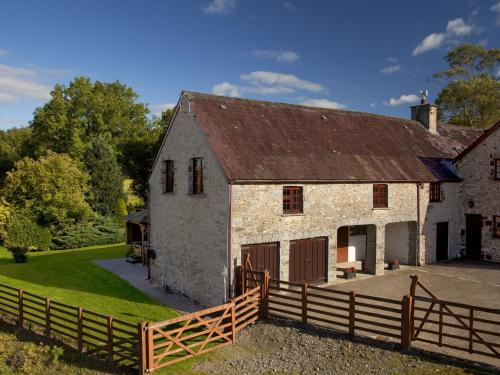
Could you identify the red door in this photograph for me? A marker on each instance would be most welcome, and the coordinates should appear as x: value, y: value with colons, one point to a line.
x: 342, y: 244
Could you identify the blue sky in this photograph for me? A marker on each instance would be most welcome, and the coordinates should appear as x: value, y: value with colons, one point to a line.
x: 371, y: 56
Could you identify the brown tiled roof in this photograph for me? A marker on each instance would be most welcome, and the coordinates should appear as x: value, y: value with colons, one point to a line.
x: 265, y: 141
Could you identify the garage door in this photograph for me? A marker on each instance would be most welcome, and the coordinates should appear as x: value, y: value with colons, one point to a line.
x: 308, y: 260
x: 263, y: 256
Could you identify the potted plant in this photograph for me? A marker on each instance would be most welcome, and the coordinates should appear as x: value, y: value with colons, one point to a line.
x: 394, y: 264
x: 349, y: 273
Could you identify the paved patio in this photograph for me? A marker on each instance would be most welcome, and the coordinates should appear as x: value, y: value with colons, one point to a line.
x: 136, y: 275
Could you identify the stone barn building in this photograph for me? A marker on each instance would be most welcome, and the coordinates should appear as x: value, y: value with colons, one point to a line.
x: 305, y: 191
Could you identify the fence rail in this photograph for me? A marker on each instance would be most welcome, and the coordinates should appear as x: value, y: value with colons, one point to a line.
x: 87, y: 331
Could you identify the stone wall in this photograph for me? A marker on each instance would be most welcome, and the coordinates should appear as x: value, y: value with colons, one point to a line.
x: 257, y: 217
x: 189, y: 232
x: 483, y: 191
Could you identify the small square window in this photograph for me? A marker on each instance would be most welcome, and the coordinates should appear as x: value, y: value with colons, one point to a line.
x: 292, y: 200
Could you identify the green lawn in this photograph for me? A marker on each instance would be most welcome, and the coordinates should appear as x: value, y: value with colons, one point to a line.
x: 69, y: 276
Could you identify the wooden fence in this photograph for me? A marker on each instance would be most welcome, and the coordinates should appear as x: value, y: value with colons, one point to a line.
x: 87, y: 331
x: 452, y: 325
x: 427, y: 319
x: 190, y: 335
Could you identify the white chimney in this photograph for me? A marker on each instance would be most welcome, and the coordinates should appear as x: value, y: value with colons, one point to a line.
x: 425, y: 113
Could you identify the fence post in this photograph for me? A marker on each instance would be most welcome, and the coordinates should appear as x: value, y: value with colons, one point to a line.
x: 80, y: 329
x: 304, y: 303
x: 150, y: 348
x: 264, y: 295
x: 142, y: 352
x: 406, y: 321
x: 471, y: 330
x: 109, y: 321
x: 352, y: 312
x: 413, y: 289
x: 233, y: 322
x: 238, y: 280
x: 20, y: 309
x: 47, y: 316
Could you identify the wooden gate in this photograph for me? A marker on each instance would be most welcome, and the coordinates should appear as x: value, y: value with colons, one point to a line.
x: 452, y: 325
x: 308, y: 260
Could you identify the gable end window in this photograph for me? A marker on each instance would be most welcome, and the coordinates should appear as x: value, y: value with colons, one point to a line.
x: 169, y: 177
x: 380, y: 196
x: 293, y: 200
x: 496, y: 171
x: 435, y: 192
x: 496, y: 226
x: 197, y: 176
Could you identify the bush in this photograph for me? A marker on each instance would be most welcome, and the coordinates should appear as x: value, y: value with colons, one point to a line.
x: 102, y: 231
x: 24, y: 232
x: 20, y: 254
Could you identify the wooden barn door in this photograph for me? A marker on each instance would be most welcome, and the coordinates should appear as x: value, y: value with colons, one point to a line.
x: 308, y: 259
x: 263, y: 256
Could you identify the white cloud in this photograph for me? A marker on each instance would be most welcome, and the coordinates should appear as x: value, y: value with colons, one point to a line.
x: 13, y: 121
x: 391, y: 69
x: 458, y: 27
x: 7, y: 98
x: 281, y: 81
x: 454, y: 29
x: 277, y: 55
x: 430, y: 42
x: 496, y: 9
x: 16, y: 83
x: 403, y: 99
x: 392, y: 59
x: 373, y: 105
x: 288, y: 5
x: 220, y: 7
x: 157, y: 109
x: 323, y: 103
x: 266, y: 83
x: 4, y: 52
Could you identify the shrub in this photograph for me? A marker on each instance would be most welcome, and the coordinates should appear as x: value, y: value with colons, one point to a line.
x: 24, y: 232
x: 20, y: 254
x: 102, y: 231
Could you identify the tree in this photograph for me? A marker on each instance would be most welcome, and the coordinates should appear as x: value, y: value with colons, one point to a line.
x: 471, y: 96
x: 14, y: 145
x: 84, y: 110
x: 53, y: 188
x: 106, y: 178
x: 140, y: 152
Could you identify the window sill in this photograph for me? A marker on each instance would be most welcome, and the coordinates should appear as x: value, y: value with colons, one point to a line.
x: 285, y: 215
x: 380, y: 208
x: 201, y: 195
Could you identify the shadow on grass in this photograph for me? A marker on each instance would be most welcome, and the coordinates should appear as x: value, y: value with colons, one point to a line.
x: 469, y: 367
x: 70, y: 357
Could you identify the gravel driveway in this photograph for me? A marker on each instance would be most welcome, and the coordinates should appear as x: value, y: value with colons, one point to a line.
x: 282, y: 347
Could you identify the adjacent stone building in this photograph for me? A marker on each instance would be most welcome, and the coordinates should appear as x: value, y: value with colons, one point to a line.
x: 305, y: 191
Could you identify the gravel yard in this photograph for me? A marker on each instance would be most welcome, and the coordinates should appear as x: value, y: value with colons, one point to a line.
x: 281, y: 347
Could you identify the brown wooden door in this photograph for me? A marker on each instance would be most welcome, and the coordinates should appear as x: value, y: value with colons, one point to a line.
x: 308, y: 259
x: 263, y: 256
x: 473, y: 225
x: 441, y: 241
x: 342, y: 244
